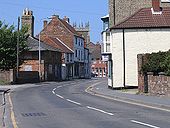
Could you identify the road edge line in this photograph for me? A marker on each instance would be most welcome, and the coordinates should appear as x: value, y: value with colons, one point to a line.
x: 90, y: 90
x: 12, y: 112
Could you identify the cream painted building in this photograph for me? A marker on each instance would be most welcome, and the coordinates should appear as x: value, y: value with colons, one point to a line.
x: 147, y: 31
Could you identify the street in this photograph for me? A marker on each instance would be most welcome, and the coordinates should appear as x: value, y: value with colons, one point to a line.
x: 68, y: 105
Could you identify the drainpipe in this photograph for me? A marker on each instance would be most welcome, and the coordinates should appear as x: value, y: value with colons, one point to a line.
x: 124, y: 68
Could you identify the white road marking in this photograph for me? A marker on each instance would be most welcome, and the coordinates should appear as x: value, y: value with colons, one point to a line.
x: 59, y: 86
x: 141, y: 123
x: 53, y: 92
x: 74, y: 102
x: 59, y: 96
x: 99, y: 110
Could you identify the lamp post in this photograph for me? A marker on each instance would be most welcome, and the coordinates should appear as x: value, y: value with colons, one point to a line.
x: 18, y: 48
x: 39, y: 56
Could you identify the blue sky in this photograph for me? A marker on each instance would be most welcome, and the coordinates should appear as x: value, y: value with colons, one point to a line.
x: 77, y: 10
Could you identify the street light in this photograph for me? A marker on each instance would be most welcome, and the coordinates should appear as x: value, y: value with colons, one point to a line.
x: 18, y: 48
x: 39, y: 51
x: 39, y: 57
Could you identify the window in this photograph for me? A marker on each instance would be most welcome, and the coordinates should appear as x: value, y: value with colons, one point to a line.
x: 79, y: 42
x: 76, y: 40
x: 67, y: 57
x: 71, y: 57
x: 96, y: 69
x: 79, y: 54
x: 76, y: 53
x: 100, y: 70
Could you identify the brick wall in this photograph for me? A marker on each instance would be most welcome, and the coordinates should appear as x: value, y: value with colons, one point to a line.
x: 148, y: 83
x: 7, y: 76
x: 159, y: 85
x: 142, y: 83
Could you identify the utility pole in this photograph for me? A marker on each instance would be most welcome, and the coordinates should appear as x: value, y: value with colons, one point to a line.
x: 39, y: 57
x: 18, y: 48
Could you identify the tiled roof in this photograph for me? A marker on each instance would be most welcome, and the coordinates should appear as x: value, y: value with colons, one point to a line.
x: 55, y: 42
x: 144, y: 18
x: 68, y: 26
x: 33, y: 45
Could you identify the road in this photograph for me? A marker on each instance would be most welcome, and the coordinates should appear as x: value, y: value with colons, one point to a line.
x: 67, y: 105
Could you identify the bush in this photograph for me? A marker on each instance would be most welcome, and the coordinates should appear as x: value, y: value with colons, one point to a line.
x: 157, y: 62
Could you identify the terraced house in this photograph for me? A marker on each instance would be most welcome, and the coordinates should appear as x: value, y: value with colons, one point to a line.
x: 61, y: 30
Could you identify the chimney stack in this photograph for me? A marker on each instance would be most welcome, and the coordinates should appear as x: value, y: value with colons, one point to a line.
x: 66, y: 19
x: 156, y: 5
x: 55, y: 16
x: 45, y: 23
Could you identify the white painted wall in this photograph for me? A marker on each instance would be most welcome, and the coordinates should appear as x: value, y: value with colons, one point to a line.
x: 137, y: 41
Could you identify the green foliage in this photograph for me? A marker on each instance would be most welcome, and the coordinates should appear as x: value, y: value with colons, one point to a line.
x: 157, y: 62
x: 166, y: 64
x: 8, y: 45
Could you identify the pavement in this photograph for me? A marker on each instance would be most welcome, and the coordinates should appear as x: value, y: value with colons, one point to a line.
x: 131, y: 96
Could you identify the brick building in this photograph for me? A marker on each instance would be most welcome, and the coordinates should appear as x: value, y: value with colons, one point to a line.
x: 50, y: 64
x: 119, y: 10
x: 62, y: 30
x: 42, y: 61
x: 98, y: 67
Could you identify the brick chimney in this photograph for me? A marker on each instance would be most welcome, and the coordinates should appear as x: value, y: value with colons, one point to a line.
x: 66, y: 19
x: 55, y: 16
x: 45, y: 23
x: 156, y: 5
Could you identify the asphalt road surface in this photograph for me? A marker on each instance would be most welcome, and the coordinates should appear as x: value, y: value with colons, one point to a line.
x: 67, y: 105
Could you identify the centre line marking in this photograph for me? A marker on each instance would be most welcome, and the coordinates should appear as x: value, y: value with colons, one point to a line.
x: 73, y: 101
x: 99, y: 110
x: 59, y: 96
x: 145, y: 124
x: 59, y: 86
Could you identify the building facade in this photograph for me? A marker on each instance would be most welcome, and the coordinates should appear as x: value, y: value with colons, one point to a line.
x: 119, y: 10
x: 43, y: 61
x: 63, y: 31
x: 98, y: 66
x: 47, y: 69
x: 146, y: 31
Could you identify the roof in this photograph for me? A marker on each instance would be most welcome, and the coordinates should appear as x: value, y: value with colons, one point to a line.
x: 104, y: 17
x: 33, y: 45
x: 68, y: 26
x: 95, y: 50
x: 55, y: 42
x: 144, y: 18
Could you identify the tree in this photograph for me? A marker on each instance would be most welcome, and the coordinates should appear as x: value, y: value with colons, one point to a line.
x: 8, y: 45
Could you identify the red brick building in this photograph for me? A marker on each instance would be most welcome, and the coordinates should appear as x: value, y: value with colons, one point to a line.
x: 98, y: 67
x: 61, y: 30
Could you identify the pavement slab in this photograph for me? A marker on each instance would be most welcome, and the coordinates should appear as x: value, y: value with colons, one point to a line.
x: 131, y: 96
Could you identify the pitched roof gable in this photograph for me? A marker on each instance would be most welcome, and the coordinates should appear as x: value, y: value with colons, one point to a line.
x: 55, y: 42
x: 144, y: 18
x: 33, y: 45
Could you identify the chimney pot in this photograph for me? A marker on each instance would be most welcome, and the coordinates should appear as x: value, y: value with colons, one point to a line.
x: 156, y: 5
x: 66, y: 19
x: 45, y: 23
